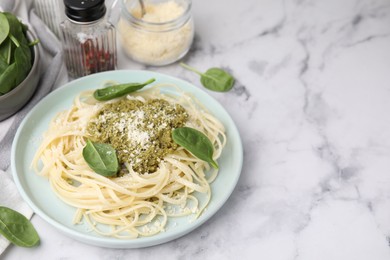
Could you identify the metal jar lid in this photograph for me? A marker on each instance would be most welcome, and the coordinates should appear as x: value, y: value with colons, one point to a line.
x: 84, y: 10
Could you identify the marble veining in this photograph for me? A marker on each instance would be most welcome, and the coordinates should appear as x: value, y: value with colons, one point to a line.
x: 311, y: 102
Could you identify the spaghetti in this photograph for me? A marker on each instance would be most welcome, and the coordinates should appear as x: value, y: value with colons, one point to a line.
x: 134, y: 204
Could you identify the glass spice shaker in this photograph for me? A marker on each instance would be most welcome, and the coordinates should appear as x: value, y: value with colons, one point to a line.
x: 88, y: 39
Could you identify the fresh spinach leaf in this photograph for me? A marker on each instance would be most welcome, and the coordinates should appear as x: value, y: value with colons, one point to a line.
x: 23, y: 62
x: 3, y: 66
x: 16, y: 28
x: 33, y: 43
x: 8, y: 78
x: 17, y: 71
x: 214, y: 79
x: 6, y: 51
x: 14, y: 40
x: 17, y: 228
x: 115, y: 91
x: 101, y: 158
x: 4, y: 27
x: 196, y: 143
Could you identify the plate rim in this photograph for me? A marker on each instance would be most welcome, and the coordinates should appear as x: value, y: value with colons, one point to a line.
x: 109, y: 242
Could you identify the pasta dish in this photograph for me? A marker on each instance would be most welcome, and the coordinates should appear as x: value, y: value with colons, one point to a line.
x: 157, y: 179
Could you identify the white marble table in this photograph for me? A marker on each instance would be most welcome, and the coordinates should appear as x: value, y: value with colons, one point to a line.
x: 312, y: 104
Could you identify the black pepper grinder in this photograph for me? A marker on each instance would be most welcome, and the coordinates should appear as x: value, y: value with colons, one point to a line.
x: 88, y: 39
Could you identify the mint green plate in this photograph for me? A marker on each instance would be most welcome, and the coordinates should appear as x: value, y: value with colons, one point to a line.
x: 36, y: 190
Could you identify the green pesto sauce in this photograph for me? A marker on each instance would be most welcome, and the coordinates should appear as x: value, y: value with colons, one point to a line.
x: 139, y: 132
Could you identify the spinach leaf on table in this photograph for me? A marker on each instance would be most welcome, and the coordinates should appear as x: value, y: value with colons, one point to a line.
x: 214, y: 79
x: 17, y: 228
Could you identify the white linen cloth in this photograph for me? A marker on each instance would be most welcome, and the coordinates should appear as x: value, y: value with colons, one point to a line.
x: 53, y: 74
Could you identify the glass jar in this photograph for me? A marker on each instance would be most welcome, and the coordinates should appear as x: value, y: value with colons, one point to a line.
x: 88, y: 39
x: 160, y: 36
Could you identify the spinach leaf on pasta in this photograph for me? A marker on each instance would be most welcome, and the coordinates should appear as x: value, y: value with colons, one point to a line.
x: 196, y: 143
x: 101, y: 158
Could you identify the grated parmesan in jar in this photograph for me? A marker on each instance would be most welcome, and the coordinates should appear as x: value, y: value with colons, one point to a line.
x: 161, y: 36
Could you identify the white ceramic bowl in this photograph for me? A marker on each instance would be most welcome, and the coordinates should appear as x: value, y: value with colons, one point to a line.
x: 13, y: 101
